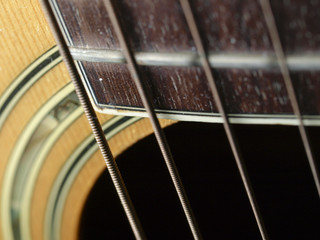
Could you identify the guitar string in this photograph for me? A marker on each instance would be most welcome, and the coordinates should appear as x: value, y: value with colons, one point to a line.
x: 147, y: 102
x: 274, y: 35
x: 95, y: 125
x: 285, y: 73
x: 188, y: 12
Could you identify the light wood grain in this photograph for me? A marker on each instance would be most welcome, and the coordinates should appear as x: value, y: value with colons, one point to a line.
x: 24, y: 36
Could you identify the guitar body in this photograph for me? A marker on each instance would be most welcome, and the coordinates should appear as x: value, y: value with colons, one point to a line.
x: 49, y: 161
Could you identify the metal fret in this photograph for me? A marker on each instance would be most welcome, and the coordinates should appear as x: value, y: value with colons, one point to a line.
x: 226, y: 60
x: 95, y: 125
x: 229, y: 131
x: 272, y: 28
x: 147, y: 102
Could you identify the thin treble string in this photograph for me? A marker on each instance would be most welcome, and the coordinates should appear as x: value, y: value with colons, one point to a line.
x: 274, y: 34
x: 228, y: 129
x: 147, y: 102
x: 95, y: 125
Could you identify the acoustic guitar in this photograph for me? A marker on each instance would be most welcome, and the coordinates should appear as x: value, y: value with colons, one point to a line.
x: 217, y: 75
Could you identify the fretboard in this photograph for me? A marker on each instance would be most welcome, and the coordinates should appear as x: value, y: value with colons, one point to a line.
x: 240, y: 52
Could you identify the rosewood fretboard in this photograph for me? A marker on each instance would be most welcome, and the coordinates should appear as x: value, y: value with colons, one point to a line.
x: 235, y: 35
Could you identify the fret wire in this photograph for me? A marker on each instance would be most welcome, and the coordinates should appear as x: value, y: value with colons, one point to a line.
x: 148, y: 104
x: 225, y: 60
x: 274, y: 35
x: 228, y: 129
x: 95, y: 125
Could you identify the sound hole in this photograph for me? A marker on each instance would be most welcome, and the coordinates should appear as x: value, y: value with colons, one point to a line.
x: 277, y: 167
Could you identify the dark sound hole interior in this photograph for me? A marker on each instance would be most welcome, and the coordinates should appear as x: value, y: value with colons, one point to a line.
x: 277, y: 166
